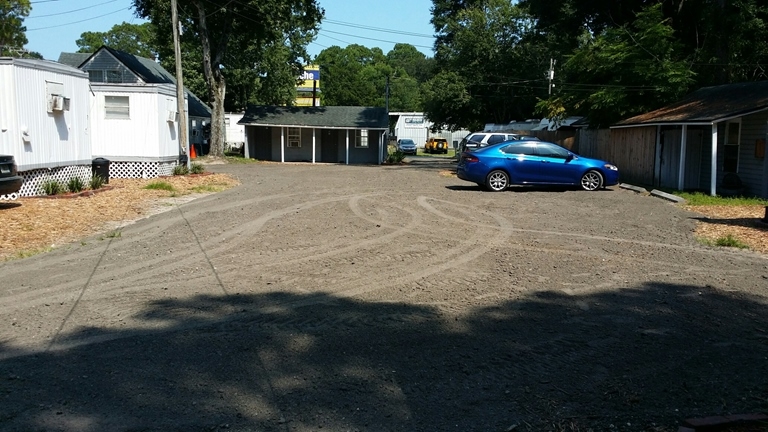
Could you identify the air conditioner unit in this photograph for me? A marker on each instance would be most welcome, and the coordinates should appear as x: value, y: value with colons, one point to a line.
x: 66, y: 104
x: 58, y: 103
x: 171, y: 116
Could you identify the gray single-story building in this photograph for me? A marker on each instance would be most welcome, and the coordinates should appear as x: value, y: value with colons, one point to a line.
x: 705, y: 136
x: 331, y: 134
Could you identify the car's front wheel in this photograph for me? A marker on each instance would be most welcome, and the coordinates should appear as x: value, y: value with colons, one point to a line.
x: 591, y: 180
x: 497, y: 181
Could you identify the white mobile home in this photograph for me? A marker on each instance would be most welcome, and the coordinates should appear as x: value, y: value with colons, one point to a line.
x: 135, y: 127
x: 44, y: 109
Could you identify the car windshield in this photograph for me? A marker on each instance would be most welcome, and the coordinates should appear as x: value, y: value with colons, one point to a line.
x: 406, y: 141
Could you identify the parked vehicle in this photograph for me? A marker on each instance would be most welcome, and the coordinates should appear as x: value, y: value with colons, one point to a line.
x: 478, y: 140
x: 10, y: 180
x: 533, y: 163
x: 436, y: 145
x: 406, y: 145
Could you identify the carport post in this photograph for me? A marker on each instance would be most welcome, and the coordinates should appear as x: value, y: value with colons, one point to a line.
x: 713, y: 163
x: 681, y: 170
x: 346, y: 159
x: 313, y: 145
x: 282, y: 144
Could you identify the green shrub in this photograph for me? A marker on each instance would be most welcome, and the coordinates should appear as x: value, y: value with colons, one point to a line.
x: 730, y: 241
x: 180, y: 170
x: 160, y: 185
x: 197, y: 168
x: 395, y: 157
x: 97, y: 182
x: 52, y: 187
x: 75, y: 184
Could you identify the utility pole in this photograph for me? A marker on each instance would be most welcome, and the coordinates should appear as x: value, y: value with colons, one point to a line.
x: 183, y: 141
x: 551, y: 74
x: 387, y: 94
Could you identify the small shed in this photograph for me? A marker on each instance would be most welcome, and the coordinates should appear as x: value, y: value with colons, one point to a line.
x: 694, y: 143
x: 234, y: 132
x: 332, y: 134
x: 44, y: 109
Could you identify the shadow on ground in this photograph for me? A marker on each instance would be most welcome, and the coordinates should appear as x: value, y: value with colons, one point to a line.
x: 638, y: 359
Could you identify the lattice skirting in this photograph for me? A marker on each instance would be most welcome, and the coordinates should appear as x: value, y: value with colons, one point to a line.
x: 34, y: 179
x: 140, y: 169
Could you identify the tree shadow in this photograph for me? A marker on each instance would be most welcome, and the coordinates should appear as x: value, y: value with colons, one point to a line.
x: 756, y: 223
x: 636, y: 357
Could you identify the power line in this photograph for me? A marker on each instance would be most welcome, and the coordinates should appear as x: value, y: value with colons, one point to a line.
x: 379, y: 29
x: 76, y: 22
x: 373, y: 39
x: 68, y: 12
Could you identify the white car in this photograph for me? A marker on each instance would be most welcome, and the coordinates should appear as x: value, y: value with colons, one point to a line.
x: 478, y: 140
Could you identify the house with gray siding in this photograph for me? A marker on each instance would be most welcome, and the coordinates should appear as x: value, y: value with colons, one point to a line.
x: 709, y: 134
x: 332, y: 134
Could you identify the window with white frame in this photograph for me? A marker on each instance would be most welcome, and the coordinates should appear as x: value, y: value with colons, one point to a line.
x: 117, y: 107
x: 731, y: 150
x: 361, y: 138
x: 294, y: 137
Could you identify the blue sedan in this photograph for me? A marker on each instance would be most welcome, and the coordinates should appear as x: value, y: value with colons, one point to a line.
x: 534, y: 163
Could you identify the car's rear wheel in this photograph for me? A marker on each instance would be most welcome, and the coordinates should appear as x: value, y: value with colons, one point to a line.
x: 497, y: 181
x: 591, y: 180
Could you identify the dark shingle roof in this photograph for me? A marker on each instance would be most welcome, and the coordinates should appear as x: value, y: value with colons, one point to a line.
x: 73, y: 59
x: 148, y: 70
x: 708, y: 104
x: 320, y: 117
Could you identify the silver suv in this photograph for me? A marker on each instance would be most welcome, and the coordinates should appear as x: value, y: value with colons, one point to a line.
x: 478, y: 140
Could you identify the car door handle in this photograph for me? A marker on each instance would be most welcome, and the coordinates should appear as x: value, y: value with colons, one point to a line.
x: 544, y: 161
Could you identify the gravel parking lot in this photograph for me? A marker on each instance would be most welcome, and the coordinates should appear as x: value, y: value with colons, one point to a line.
x: 380, y: 298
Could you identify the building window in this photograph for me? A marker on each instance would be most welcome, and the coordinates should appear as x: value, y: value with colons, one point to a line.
x: 294, y: 137
x: 731, y: 153
x: 96, y: 76
x: 114, y: 77
x: 361, y: 138
x: 117, y: 107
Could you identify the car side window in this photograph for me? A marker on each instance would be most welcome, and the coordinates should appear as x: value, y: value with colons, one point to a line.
x: 551, y: 150
x: 520, y: 148
x: 495, y: 139
x: 475, y: 138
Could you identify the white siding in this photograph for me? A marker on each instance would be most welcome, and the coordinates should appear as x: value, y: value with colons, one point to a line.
x: 147, y: 135
x: 235, y: 133
x: 54, y: 139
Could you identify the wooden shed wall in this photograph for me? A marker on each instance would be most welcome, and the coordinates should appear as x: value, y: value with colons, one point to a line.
x: 633, y: 150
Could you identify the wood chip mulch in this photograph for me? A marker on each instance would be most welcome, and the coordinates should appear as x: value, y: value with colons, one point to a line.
x: 741, y: 222
x: 33, y: 225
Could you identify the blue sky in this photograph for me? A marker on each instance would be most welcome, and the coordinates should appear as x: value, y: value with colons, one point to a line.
x: 53, y: 26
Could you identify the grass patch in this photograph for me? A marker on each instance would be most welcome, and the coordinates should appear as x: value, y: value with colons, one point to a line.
x: 30, y: 253
x: 76, y: 184
x: 702, y: 199
x: 180, y: 170
x: 97, y: 182
x: 197, y: 168
x: 239, y: 160
x: 160, y: 185
x: 208, y: 188
x: 727, y: 241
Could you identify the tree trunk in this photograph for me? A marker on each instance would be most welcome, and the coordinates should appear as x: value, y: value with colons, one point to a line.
x: 217, y: 117
x: 217, y: 85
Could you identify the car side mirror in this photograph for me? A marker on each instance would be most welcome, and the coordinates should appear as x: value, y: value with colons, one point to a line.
x: 569, y: 157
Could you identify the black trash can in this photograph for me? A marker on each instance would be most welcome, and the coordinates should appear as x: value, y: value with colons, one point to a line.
x: 101, y: 169
x: 183, y: 160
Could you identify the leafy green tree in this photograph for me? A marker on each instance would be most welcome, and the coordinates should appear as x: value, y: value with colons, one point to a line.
x: 239, y: 36
x: 491, y: 66
x: 12, y: 29
x: 136, y: 39
x: 623, y: 71
x: 415, y: 63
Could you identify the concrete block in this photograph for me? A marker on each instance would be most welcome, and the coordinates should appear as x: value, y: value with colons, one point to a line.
x: 633, y: 188
x: 668, y: 197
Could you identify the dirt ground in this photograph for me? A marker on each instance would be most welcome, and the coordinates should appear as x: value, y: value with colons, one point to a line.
x: 328, y: 297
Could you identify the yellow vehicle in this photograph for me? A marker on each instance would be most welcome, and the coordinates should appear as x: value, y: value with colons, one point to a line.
x: 436, y: 145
